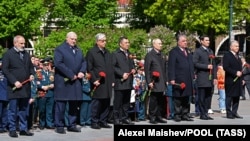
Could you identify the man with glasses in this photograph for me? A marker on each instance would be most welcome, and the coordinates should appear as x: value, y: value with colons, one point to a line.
x: 99, y: 61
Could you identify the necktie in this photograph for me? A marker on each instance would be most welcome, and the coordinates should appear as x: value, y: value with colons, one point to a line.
x: 21, y: 55
x: 126, y: 54
x: 74, y: 50
x: 185, y: 53
x: 236, y: 56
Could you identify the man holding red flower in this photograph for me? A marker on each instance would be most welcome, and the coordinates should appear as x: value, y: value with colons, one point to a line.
x: 206, y: 71
x: 99, y: 59
x: 156, y: 79
x: 124, y: 69
x: 233, y: 69
x: 69, y: 63
x: 180, y: 72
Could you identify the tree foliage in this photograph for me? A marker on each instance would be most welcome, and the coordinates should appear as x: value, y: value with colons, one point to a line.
x: 20, y: 17
x: 77, y: 13
x: 86, y: 39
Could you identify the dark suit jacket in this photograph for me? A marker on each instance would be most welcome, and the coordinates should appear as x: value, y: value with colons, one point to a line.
x: 67, y: 64
x: 201, y: 61
x: 98, y: 62
x: 181, y: 69
x: 122, y: 65
x: 155, y: 62
x: 231, y: 65
x: 16, y: 69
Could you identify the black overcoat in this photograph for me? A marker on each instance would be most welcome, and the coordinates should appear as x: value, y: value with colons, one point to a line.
x: 155, y: 62
x: 201, y: 60
x: 16, y: 69
x: 181, y: 69
x: 122, y: 64
x: 97, y: 61
x: 231, y: 65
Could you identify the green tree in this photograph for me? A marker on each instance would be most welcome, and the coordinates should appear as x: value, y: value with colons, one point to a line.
x: 20, y: 17
x: 204, y: 17
x: 86, y: 39
x: 77, y: 13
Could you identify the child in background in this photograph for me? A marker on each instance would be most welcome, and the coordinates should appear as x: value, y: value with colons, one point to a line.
x: 221, y: 89
x: 85, y: 111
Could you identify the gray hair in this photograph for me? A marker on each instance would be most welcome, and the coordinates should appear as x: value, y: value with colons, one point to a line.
x: 100, y: 36
x: 70, y: 34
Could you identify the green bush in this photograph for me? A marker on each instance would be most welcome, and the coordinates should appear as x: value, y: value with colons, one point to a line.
x: 86, y: 40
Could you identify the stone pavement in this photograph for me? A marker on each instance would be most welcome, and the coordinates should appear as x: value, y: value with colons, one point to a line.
x: 89, y: 134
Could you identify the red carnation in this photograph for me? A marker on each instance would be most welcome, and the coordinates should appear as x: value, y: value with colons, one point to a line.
x: 102, y: 76
x: 181, y: 85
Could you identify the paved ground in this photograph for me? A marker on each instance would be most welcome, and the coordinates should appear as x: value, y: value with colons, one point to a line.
x: 89, y: 134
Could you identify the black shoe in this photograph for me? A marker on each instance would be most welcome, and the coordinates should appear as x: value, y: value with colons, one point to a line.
x: 187, y: 119
x: 209, y: 118
x: 230, y: 117
x: 161, y: 120
x: 238, y: 116
x: 50, y: 127
x: 41, y: 127
x: 197, y: 114
x: 74, y: 129
x: 153, y: 121
x: 3, y: 130
x: 203, y: 117
x: 126, y: 121
x: 95, y: 126
x: 177, y: 119
x: 190, y: 116
x: 13, y: 134
x: 117, y: 122
x: 105, y: 125
x: 60, y: 130
x: 25, y: 133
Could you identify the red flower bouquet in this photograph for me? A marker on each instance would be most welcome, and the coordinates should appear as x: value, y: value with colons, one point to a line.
x: 211, y: 57
x: 102, y: 76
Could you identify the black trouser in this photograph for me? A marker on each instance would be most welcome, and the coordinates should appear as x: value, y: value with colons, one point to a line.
x: 156, y: 105
x: 121, y: 104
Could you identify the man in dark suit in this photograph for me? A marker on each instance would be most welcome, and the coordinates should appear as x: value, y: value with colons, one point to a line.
x: 124, y: 69
x: 181, y: 70
x: 205, y: 68
x: 155, y: 62
x: 70, y: 66
x: 17, y: 68
x: 99, y: 61
x: 233, y: 80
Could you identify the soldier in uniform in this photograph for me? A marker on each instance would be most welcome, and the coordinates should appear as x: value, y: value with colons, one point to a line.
x: 45, y: 85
